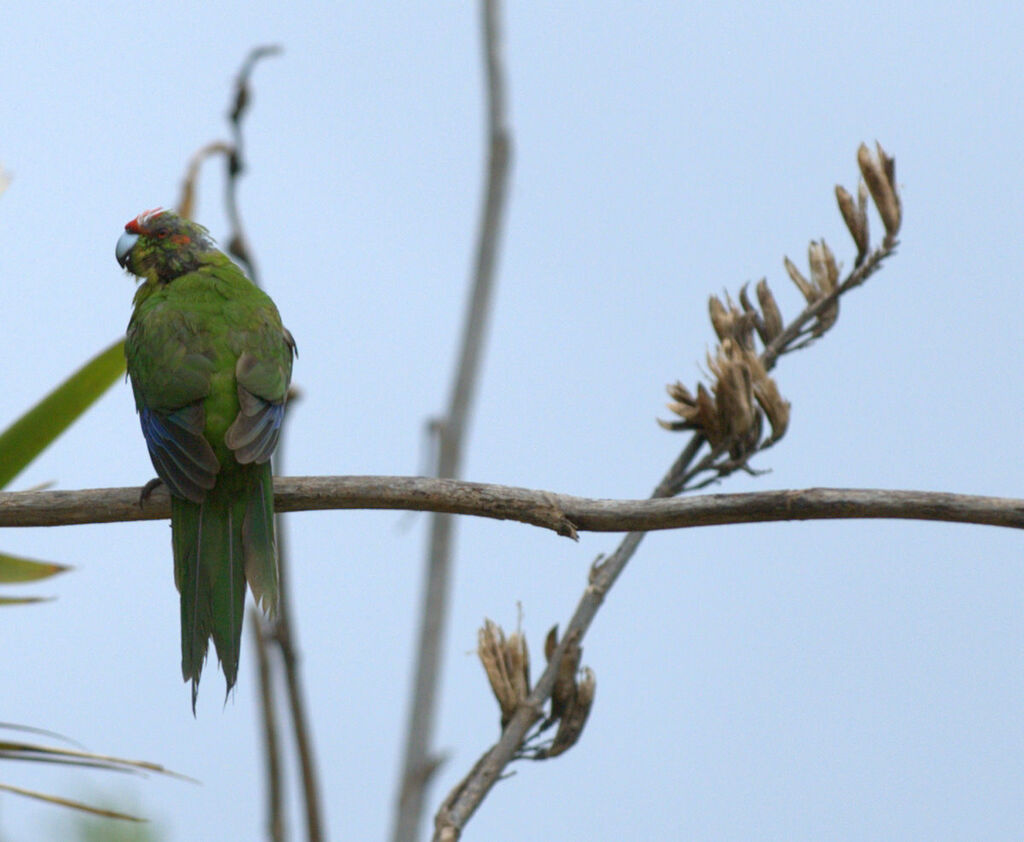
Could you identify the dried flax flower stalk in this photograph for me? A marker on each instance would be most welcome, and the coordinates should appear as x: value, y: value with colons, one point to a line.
x: 730, y: 412
x: 729, y: 415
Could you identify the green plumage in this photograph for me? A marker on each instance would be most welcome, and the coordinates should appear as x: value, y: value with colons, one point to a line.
x: 210, y: 364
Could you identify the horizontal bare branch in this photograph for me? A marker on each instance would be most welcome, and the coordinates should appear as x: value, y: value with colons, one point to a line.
x: 562, y: 513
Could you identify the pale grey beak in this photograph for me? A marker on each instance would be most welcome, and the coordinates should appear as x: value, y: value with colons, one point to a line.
x: 125, y: 243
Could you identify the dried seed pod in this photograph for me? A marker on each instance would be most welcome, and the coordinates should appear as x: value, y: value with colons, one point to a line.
x: 490, y: 649
x: 673, y: 426
x: 721, y: 319
x: 507, y: 665
x: 824, y: 269
x: 683, y: 404
x: 751, y: 314
x: 862, y: 208
x: 744, y: 322
x: 551, y: 643
x: 856, y: 220
x: 570, y: 728
x: 745, y: 300
x: 565, y: 684
x: 730, y: 322
x: 518, y: 660
x: 772, y: 317
x: 825, y: 276
x: 807, y: 290
x: 888, y: 164
x: 766, y: 392
x: 707, y: 415
x: 698, y: 413
x: 816, y: 260
x: 733, y: 392
x: 880, y: 175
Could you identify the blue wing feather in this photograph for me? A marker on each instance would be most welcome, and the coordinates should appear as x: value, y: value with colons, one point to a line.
x: 254, y: 433
x: 180, y: 453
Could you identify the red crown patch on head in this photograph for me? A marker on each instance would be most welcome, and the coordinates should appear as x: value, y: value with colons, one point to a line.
x: 141, y: 223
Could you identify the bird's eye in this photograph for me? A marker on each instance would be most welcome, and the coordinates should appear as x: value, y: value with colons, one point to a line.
x: 162, y: 235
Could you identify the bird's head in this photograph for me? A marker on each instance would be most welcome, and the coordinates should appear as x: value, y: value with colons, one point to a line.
x: 159, y: 246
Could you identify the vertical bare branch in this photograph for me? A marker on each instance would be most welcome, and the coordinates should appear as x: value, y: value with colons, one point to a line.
x: 419, y: 762
x: 283, y: 635
x: 238, y: 245
x: 271, y: 740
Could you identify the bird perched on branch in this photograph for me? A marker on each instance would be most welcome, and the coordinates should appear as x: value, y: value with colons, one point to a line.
x: 210, y: 364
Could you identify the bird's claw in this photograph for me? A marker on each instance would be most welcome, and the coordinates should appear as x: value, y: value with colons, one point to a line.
x: 148, y: 489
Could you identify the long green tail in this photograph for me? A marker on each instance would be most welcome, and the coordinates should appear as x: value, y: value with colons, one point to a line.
x: 219, y: 545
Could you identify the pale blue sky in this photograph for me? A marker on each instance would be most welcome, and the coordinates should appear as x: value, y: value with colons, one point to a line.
x: 793, y: 681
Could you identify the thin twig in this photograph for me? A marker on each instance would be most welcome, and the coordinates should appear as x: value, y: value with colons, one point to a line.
x: 418, y: 764
x: 271, y: 740
x: 564, y: 514
x: 237, y: 243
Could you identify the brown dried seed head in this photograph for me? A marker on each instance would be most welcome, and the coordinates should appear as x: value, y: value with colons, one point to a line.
x: 880, y: 176
x: 698, y: 412
x: 491, y: 651
x: 807, y: 290
x: 816, y: 260
x: 565, y: 684
x: 518, y: 660
x: 750, y: 312
x: 687, y: 411
x: 678, y: 392
x: 683, y: 404
x: 766, y: 391
x: 832, y: 267
x: 862, y: 209
x: 888, y: 164
x: 745, y: 300
x: 825, y: 274
x: 744, y: 322
x: 733, y: 392
x: 507, y: 665
x: 707, y: 415
x: 824, y: 269
x: 772, y: 317
x: 586, y: 688
x: 847, y: 209
x: 855, y: 219
x: 730, y: 322
x: 551, y: 643
x: 721, y: 318
x: 895, y: 211
x: 570, y: 728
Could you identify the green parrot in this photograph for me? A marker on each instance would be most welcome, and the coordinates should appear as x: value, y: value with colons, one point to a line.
x: 210, y: 364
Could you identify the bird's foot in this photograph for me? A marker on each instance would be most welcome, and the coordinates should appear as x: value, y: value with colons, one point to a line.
x: 148, y: 489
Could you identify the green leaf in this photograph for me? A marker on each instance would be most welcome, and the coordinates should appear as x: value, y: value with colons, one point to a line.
x: 67, y: 802
x: 22, y: 600
x: 19, y: 751
x: 15, y: 569
x: 27, y: 437
x: 16, y: 750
